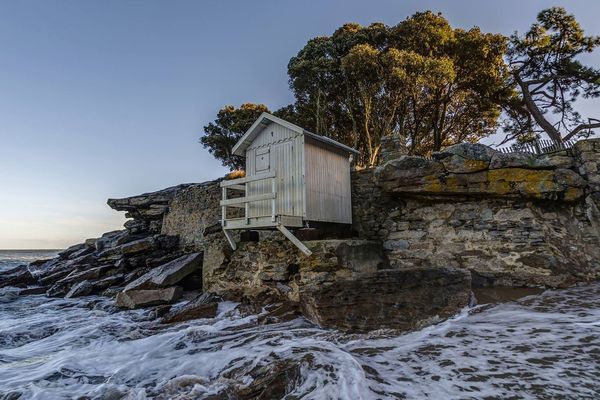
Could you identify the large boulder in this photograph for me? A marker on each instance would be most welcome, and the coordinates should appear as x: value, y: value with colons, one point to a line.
x: 466, y: 157
x: 555, y: 184
x: 168, y: 274
x: 468, y: 169
x: 409, y: 171
x: 145, y: 298
x: 146, y: 209
x: 138, y: 246
x: 18, y: 276
x: 83, y: 288
x: 203, y: 306
x: 394, y: 299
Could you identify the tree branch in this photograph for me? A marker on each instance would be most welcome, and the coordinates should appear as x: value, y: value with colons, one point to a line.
x: 580, y: 128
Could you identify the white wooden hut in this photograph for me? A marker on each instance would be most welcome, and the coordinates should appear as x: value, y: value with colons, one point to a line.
x: 292, y: 177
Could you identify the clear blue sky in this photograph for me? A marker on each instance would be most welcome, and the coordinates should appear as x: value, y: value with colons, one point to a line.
x: 106, y: 99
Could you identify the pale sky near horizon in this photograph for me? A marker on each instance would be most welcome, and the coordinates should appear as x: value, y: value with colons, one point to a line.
x: 104, y: 99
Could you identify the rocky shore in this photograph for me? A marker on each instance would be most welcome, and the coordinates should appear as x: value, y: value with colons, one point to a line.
x: 425, y: 233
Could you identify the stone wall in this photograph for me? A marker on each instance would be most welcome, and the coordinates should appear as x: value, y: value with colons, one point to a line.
x: 194, y: 214
x: 512, y: 220
x: 470, y: 216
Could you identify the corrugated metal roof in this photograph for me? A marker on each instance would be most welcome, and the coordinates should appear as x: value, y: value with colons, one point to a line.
x: 265, y: 118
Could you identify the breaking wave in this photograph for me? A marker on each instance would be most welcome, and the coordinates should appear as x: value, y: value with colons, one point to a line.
x: 545, y: 346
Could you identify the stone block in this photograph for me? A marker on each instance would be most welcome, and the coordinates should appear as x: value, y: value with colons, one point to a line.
x: 150, y: 297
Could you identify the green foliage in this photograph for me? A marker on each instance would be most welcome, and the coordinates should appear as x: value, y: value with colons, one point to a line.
x: 430, y: 84
x: 231, y: 123
x: 549, y: 78
x: 421, y: 79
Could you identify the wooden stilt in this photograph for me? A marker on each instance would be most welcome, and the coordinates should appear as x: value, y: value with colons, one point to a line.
x: 294, y: 239
x: 230, y: 239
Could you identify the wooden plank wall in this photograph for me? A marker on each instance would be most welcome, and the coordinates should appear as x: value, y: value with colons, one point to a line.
x: 328, y: 191
x: 285, y: 153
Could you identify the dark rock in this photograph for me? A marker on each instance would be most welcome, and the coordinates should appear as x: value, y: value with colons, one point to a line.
x: 65, y: 254
x: 519, y: 160
x: 150, y: 297
x: 273, y: 380
x: 395, y: 299
x: 167, y: 242
x: 168, y: 274
x: 85, y: 251
x: 38, y: 269
x: 160, y: 311
x: 87, y: 274
x: 18, y: 277
x: 468, y: 151
x: 57, y: 268
x: 136, y: 226
x: 108, y: 281
x: 138, y: 246
x: 33, y: 290
x: 148, y: 207
x: 409, y: 170
x: 277, y: 313
x: 58, y: 290
x: 203, y: 306
x: 107, y: 240
x: 83, y: 288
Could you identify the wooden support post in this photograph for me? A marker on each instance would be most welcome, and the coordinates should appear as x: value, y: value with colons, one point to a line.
x: 274, y: 191
x: 294, y: 239
x: 223, y: 208
x: 230, y: 239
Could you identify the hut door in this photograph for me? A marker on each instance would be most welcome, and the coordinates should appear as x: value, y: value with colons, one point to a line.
x: 263, y: 160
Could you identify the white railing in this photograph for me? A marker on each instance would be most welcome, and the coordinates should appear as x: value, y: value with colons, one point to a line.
x: 244, y: 202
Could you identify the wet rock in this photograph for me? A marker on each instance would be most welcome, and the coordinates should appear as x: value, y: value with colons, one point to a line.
x: 87, y: 274
x: 168, y: 274
x: 110, y: 239
x: 278, y: 312
x: 13, y: 395
x: 65, y: 254
x: 203, y: 306
x: 57, y: 268
x: 395, y: 299
x: 273, y: 380
x: 138, y: 246
x: 160, y: 311
x: 33, y: 290
x: 108, y: 281
x: 19, y: 277
x: 58, y: 290
x: 84, y: 288
x: 149, y: 297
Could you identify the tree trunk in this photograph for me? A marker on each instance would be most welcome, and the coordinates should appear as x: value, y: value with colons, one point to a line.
x: 537, y: 115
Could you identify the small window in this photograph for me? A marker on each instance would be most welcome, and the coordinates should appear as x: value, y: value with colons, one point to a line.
x: 263, y: 162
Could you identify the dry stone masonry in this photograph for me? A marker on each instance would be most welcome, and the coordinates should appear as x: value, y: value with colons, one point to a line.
x: 425, y: 233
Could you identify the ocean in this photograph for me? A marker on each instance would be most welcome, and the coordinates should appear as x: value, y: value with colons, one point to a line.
x: 538, y: 347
